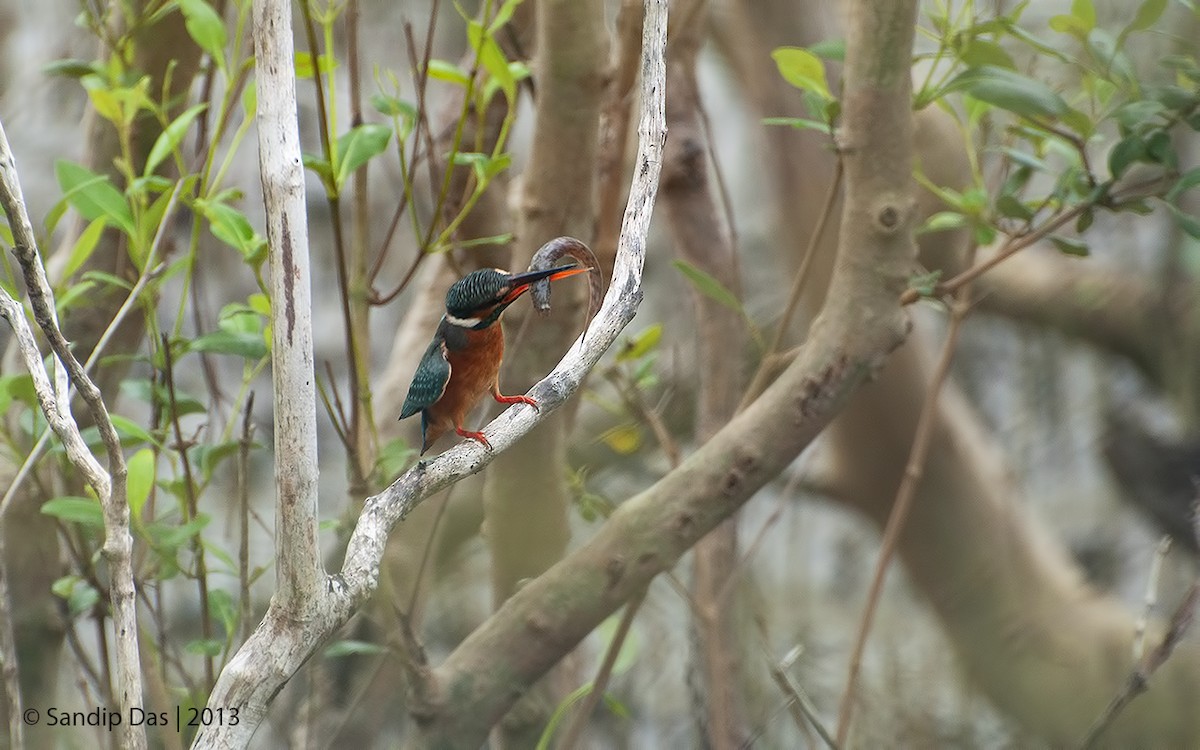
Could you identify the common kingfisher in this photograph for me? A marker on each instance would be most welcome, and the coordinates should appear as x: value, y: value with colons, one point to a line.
x: 462, y: 362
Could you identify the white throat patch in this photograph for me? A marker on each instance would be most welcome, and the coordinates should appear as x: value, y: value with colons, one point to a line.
x: 463, y: 322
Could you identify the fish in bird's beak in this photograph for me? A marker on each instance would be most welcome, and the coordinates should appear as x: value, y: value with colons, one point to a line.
x: 521, y: 282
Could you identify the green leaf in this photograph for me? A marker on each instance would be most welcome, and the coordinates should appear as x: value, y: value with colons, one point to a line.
x: 84, y: 511
x: 79, y: 594
x: 171, y: 137
x: 1127, y: 151
x: 173, y: 537
x: 829, y: 49
x: 628, y: 655
x: 92, y: 195
x: 209, y: 647
x: 141, y: 389
x: 142, y: 468
x: 982, y: 52
x: 1188, y: 223
x: 1085, y: 12
x: 1079, y: 23
x: 393, y: 458
x: 1011, y: 207
x: 74, y: 294
x: 799, y: 123
x: 942, y: 221
x: 205, y: 27
x: 446, y: 71
x: 503, y: 15
x: 624, y: 439
x: 1186, y: 182
x: 1147, y: 14
x: 641, y: 344
x: 353, y: 648
x: 1107, y: 51
x: 1070, y: 246
x: 802, y: 69
x: 249, y: 346
x: 1009, y: 90
x: 304, y: 64
x: 208, y: 456
x: 72, y: 68
x: 708, y: 285
x: 222, y: 607
x: 357, y: 147
x: 1159, y: 150
x: 233, y: 228
x: 492, y: 59
x: 320, y: 167
x: 404, y: 112
x: 925, y: 284
x: 84, y: 246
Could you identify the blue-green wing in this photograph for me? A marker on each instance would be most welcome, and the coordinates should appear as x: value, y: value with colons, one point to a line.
x: 429, y: 382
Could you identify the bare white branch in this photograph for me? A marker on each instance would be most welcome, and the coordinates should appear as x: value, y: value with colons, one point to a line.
x: 299, y: 573
x: 281, y: 643
x: 55, y: 403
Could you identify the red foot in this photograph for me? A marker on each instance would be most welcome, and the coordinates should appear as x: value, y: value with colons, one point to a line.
x: 476, y: 436
x: 515, y: 400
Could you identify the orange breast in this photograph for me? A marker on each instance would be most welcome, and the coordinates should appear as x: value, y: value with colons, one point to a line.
x: 473, y: 373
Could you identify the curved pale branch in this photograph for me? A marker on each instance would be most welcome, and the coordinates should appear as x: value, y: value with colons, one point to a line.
x: 287, y: 637
x: 55, y: 402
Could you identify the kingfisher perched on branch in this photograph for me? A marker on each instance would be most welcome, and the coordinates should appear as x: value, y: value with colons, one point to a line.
x: 462, y: 362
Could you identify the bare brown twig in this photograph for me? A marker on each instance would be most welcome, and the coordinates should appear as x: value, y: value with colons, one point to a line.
x: 900, y: 509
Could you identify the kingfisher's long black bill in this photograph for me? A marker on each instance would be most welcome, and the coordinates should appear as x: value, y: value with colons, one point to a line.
x: 522, y: 281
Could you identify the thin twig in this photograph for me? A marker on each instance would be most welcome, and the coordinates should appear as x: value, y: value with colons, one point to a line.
x: 1015, y: 244
x: 913, y: 471
x: 109, y: 487
x: 765, y: 369
x: 1139, y: 680
x: 1151, y: 599
x: 243, y: 480
x: 192, y: 508
x: 803, y: 712
x: 574, y: 730
x: 8, y: 654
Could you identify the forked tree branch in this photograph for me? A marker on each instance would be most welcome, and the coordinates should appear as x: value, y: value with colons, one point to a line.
x: 289, y: 635
x: 54, y: 399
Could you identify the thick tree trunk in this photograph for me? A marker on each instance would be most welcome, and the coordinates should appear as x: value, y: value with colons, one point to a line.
x: 526, y: 505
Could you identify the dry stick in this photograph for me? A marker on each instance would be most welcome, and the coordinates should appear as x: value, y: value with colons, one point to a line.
x: 193, y: 510
x: 354, y: 351
x: 8, y: 656
x: 803, y: 712
x: 110, y: 487
x: 357, y: 271
x: 575, y: 729
x: 1138, y: 681
x: 1151, y: 599
x: 759, y: 382
x: 243, y: 490
x: 900, y: 509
